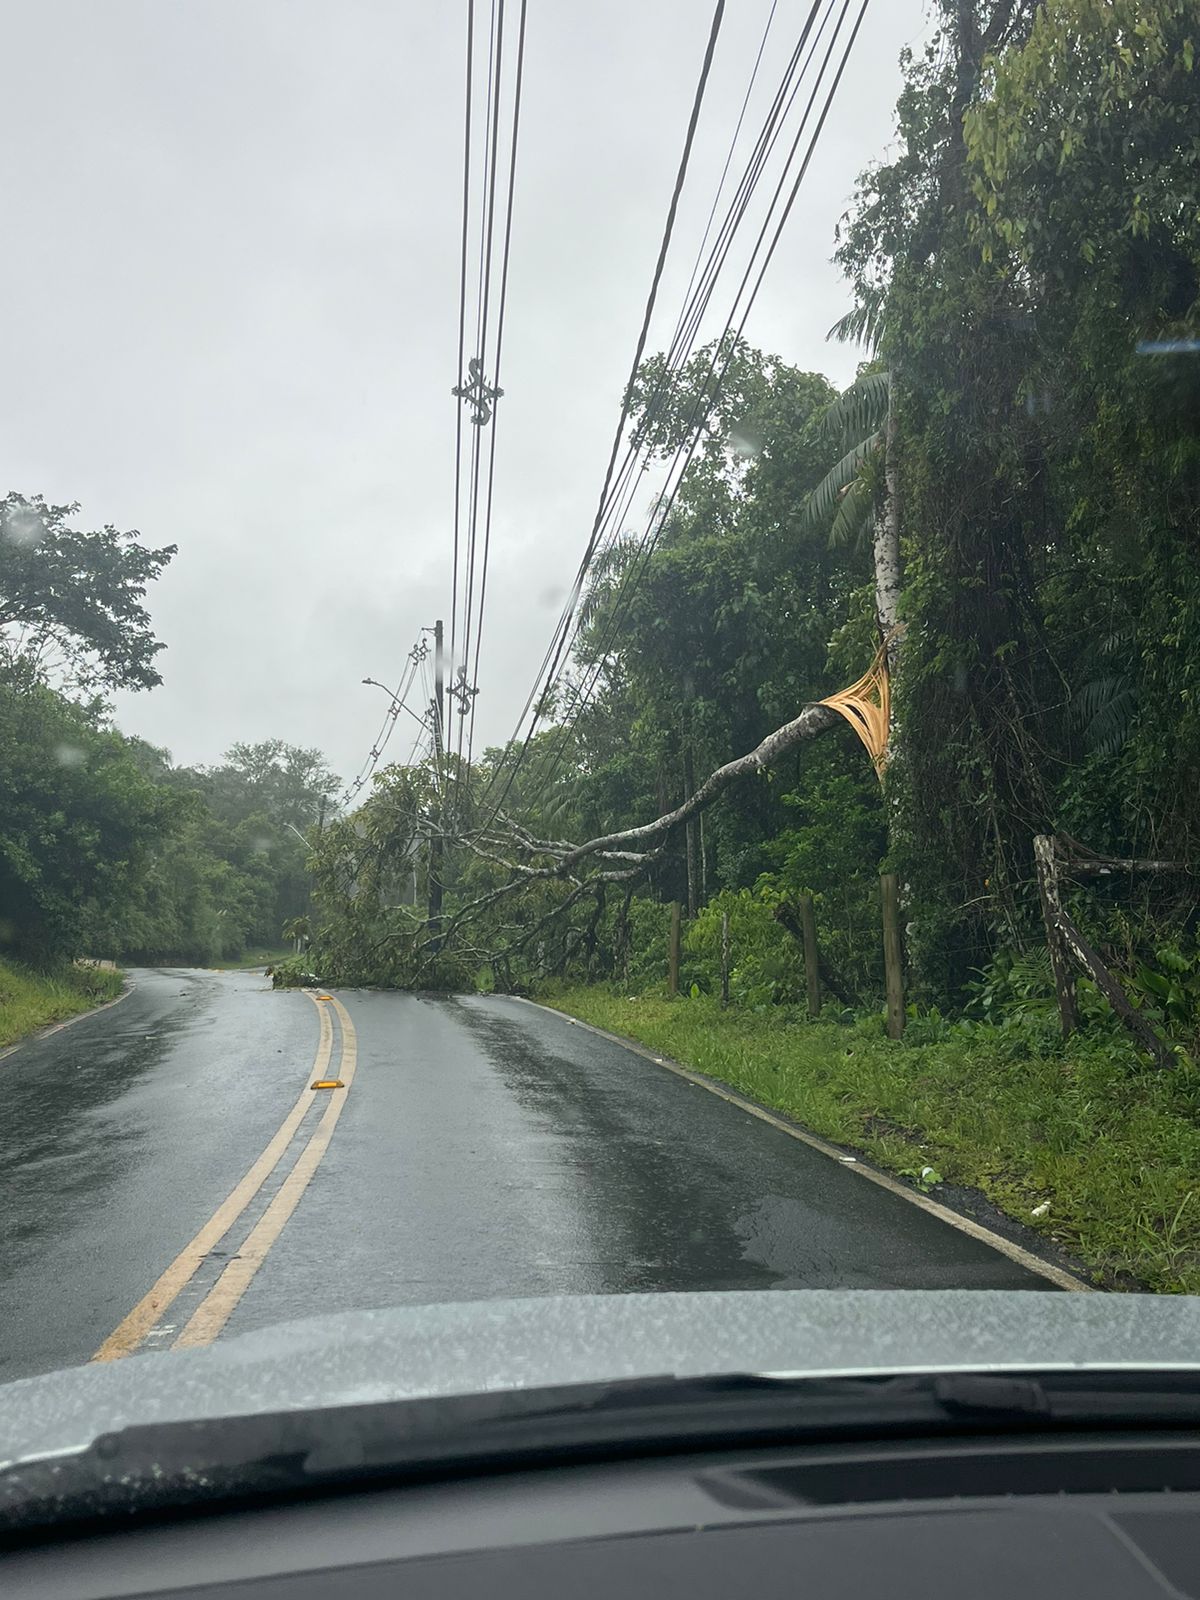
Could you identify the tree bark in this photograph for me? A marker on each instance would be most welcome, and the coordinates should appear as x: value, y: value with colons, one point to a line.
x: 812, y: 961
x: 789, y: 918
x: 691, y: 834
x: 1089, y: 959
x: 812, y: 720
x: 886, y: 539
x: 893, y: 953
x: 1064, y: 983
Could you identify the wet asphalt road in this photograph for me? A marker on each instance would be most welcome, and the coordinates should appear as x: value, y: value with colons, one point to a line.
x: 486, y: 1150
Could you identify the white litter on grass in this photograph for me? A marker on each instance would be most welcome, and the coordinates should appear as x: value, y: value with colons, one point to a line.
x: 1040, y: 1211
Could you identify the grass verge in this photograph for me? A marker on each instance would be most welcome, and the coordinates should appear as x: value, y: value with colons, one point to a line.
x: 1109, y: 1146
x: 29, y: 1000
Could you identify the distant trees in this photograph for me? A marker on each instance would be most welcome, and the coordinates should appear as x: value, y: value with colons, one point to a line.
x: 105, y: 846
x: 230, y: 867
x: 79, y: 821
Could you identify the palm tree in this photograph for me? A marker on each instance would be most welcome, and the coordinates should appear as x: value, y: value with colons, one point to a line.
x: 862, y: 487
x: 847, y: 494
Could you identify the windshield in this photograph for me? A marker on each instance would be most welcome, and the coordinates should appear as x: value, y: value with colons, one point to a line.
x: 598, y: 667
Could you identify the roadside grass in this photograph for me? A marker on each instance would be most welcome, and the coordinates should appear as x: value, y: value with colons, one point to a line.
x: 1110, y: 1145
x: 29, y: 1000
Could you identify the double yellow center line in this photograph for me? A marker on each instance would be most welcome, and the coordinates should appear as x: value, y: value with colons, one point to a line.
x: 218, y: 1305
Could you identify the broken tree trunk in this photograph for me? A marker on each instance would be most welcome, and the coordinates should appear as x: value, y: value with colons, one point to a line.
x: 1060, y: 961
x: 1073, y: 941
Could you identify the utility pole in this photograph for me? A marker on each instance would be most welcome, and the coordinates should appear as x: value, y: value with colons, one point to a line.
x: 436, y: 842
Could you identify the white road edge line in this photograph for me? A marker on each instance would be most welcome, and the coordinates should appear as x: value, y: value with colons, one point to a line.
x: 1015, y: 1252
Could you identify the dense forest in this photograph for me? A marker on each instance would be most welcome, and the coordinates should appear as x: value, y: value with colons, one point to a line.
x: 1001, y: 512
x: 106, y: 849
x: 1008, y: 496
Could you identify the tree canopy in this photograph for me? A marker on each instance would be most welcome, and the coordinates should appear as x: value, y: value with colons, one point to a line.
x: 71, y: 610
x: 1022, y: 444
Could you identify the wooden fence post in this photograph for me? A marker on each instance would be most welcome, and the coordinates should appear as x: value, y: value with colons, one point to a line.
x: 1064, y: 982
x: 724, y: 959
x: 893, y: 953
x: 812, y: 960
x: 673, y: 951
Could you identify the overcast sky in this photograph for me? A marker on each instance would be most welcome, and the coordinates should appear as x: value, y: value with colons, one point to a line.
x: 229, y: 287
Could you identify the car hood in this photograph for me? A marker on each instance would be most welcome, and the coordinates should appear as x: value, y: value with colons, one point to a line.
x: 417, y: 1352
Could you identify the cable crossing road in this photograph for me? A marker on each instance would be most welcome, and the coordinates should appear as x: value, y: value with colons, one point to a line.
x: 211, y: 1156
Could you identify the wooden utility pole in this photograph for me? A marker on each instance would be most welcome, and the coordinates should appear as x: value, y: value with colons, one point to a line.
x: 893, y: 953
x: 673, y: 950
x: 436, y: 842
x: 812, y: 961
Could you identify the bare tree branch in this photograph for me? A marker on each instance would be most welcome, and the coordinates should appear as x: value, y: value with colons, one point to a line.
x: 812, y: 720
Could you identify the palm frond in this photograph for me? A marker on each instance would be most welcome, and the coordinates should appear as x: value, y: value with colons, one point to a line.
x: 1105, y: 708
x: 863, y: 325
x: 608, y: 567
x: 822, y: 503
x: 859, y: 409
x: 853, y: 512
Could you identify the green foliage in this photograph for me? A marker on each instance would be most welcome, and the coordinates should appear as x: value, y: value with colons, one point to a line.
x: 1170, y: 989
x: 1049, y: 472
x: 30, y: 999
x: 106, y: 849
x: 71, y: 607
x: 78, y: 819
x: 765, y: 966
x: 1034, y: 225
x: 293, y: 972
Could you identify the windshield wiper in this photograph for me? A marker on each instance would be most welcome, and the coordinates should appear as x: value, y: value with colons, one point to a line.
x: 178, y: 1465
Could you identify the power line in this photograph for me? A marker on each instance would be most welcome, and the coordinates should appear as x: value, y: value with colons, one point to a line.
x: 462, y: 315
x: 690, y: 438
x: 661, y: 513
x: 399, y: 703
x: 508, y: 220
x: 686, y: 328
x: 554, y: 654
x: 690, y: 316
x: 483, y: 293
x: 479, y: 386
